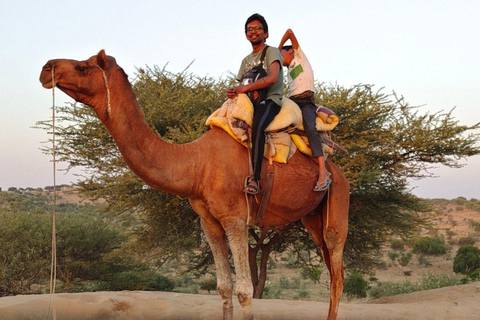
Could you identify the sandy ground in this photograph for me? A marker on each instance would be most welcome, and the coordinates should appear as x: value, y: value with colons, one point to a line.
x: 459, y: 303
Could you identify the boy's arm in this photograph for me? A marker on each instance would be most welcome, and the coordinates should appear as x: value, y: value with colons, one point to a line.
x: 289, y: 35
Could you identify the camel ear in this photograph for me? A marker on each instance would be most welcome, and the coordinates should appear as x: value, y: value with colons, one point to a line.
x: 102, y: 59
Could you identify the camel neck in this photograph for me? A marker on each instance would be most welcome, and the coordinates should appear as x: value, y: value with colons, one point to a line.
x: 161, y: 165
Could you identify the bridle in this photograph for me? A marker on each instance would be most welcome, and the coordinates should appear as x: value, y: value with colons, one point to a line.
x: 105, y: 80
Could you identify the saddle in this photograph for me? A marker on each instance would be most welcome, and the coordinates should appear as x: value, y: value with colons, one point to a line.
x: 284, y: 133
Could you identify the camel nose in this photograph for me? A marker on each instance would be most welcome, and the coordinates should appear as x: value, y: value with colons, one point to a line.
x: 49, y: 66
x: 46, y: 74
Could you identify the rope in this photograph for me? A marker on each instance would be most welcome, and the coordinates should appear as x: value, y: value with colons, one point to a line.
x: 248, y: 203
x: 106, y: 86
x: 250, y: 168
x: 328, y: 208
x: 53, y: 267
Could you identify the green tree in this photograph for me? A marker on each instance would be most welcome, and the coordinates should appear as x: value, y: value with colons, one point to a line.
x: 209, y: 284
x: 389, y: 143
x: 467, y: 260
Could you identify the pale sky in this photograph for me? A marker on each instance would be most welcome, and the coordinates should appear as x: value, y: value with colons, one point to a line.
x: 427, y: 51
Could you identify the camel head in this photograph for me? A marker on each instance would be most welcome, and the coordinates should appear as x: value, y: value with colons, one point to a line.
x: 84, y: 81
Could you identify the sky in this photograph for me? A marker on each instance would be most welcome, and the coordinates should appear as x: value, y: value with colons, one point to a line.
x: 424, y: 50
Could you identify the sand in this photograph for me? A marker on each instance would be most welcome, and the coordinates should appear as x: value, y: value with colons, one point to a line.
x: 458, y: 302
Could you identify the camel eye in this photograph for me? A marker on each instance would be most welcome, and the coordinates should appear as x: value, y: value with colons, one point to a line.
x: 81, y: 68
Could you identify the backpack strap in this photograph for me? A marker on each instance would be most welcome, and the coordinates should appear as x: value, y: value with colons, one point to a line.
x: 264, y: 52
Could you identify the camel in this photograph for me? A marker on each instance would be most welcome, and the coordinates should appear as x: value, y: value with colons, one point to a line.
x: 210, y: 172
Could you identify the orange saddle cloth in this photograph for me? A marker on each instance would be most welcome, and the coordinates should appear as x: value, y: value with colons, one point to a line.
x: 241, y: 109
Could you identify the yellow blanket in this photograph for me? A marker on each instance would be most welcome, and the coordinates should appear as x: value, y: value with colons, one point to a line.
x: 241, y: 108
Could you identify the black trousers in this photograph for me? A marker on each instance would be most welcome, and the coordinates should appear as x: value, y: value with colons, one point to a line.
x: 263, y: 115
x: 309, y: 115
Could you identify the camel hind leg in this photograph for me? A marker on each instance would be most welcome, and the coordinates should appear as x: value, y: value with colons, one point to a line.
x: 329, y: 227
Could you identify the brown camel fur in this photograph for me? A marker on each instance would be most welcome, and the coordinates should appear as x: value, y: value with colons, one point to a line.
x: 210, y: 173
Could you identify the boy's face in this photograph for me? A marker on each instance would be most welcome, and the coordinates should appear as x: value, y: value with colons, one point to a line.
x: 287, y: 56
x: 256, y: 35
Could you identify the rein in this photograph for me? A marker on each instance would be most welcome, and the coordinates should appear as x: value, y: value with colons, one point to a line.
x: 53, y: 267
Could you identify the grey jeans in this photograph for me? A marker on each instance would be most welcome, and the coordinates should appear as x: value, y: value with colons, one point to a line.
x: 309, y: 114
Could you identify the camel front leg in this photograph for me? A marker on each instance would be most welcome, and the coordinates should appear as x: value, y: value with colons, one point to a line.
x: 236, y: 231
x: 217, y: 241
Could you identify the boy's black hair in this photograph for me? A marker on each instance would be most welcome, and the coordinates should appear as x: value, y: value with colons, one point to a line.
x: 258, y: 17
x: 286, y: 48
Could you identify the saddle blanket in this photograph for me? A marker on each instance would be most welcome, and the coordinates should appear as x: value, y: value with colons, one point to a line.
x: 240, y: 109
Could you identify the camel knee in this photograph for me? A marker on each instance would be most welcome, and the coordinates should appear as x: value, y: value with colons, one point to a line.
x: 331, y: 237
x: 225, y: 289
x: 245, y: 294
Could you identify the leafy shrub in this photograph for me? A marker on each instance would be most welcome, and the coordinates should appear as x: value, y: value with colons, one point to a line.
x: 449, y: 233
x: 405, y: 258
x: 468, y: 240
x: 382, y: 265
x: 209, y: 284
x: 423, y: 260
x: 467, y: 260
x: 474, y: 224
x: 268, y: 293
x: 460, y: 201
x: 435, y: 281
x: 183, y: 281
x: 128, y: 280
x: 397, y: 244
x: 393, y: 255
x: 160, y: 283
x: 312, y: 273
x: 302, y: 294
x: 355, y: 285
x: 475, y: 275
x: 430, y: 246
x: 285, y: 283
x: 430, y: 281
x: 292, y: 261
x: 24, y: 251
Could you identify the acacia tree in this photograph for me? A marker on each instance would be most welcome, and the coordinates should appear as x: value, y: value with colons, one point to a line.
x: 388, y: 140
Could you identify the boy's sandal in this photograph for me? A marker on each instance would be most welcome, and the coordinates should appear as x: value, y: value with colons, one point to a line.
x: 322, y: 186
x: 252, y: 187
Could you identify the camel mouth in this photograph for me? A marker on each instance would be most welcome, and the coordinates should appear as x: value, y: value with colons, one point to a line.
x: 47, y: 81
x: 47, y: 84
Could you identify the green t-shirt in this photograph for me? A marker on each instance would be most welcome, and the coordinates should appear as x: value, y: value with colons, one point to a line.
x: 275, y: 91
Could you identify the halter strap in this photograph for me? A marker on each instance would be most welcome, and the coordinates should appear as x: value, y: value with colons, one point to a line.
x: 108, y: 90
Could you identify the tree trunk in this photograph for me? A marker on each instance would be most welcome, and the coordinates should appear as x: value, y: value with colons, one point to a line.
x: 259, y: 275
